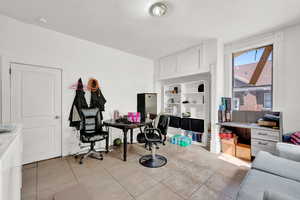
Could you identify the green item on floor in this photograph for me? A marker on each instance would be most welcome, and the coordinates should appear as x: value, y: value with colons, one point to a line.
x: 117, y: 142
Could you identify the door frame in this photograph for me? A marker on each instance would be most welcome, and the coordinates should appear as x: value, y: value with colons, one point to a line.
x: 5, y: 89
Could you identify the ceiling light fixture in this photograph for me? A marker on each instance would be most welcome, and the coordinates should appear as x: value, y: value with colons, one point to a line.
x: 158, y: 9
x: 43, y: 20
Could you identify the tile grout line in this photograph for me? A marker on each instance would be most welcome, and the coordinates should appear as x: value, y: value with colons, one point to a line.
x: 219, y: 192
x: 174, y: 191
x: 36, y: 181
x: 149, y: 190
x: 162, y: 182
x: 204, y: 183
x: 108, y: 173
x: 124, y: 187
x: 118, y: 182
x: 37, y: 167
x: 77, y: 179
x: 156, y: 181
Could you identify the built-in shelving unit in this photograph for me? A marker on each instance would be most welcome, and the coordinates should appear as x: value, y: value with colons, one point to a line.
x: 172, y: 100
x: 193, y: 100
x: 185, y: 100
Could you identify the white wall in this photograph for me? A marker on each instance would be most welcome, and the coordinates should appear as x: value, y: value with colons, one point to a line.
x: 290, y: 79
x: 217, y: 91
x: 286, y: 71
x: 121, y: 75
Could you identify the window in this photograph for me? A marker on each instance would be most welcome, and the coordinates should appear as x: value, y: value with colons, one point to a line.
x: 267, y: 100
x: 252, y: 79
x: 236, y: 103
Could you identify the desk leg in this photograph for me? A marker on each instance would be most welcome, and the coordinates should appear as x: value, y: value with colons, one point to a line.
x: 107, y: 144
x: 131, y: 136
x: 125, y: 144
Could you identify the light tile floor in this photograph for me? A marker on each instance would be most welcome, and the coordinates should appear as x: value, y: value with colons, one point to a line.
x: 192, y: 173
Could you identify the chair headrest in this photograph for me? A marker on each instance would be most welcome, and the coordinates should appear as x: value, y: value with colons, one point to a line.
x: 163, y: 123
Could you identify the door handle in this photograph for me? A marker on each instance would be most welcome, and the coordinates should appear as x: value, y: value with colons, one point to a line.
x: 57, y: 117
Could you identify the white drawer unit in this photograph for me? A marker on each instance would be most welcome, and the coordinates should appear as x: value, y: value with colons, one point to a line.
x: 11, y: 165
x: 264, y: 140
x: 265, y: 134
x: 262, y: 145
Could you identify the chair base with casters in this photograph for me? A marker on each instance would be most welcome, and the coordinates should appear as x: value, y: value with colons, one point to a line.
x: 83, y: 147
x: 92, y: 153
x: 153, y: 160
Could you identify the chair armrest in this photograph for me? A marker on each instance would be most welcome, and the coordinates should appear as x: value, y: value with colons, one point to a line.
x: 288, y: 151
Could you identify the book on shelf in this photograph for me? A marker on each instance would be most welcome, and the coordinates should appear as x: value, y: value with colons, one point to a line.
x: 226, y: 102
x: 224, y: 113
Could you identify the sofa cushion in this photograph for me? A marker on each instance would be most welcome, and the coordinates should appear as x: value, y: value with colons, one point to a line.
x: 257, y: 182
x: 288, y: 151
x: 267, y: 162
x: 272, y: 195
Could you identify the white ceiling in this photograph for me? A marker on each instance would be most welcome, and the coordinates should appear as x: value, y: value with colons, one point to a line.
x: 126, y: 25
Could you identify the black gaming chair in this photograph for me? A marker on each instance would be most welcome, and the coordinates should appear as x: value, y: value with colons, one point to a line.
x: 91, y: 131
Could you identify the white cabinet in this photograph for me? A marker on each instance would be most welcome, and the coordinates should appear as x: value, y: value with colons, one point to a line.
x: 168, y: 66
x: 187, y: 62
x: 11, y: 166
x: 264, y: 140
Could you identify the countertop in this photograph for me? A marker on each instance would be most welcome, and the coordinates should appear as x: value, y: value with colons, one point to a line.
x: 246, y: 125
x: 7, y: 138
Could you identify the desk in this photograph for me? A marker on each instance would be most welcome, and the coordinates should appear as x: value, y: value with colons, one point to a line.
x: 125, y: 127
x: 262, y: 138
x: 246, y: 125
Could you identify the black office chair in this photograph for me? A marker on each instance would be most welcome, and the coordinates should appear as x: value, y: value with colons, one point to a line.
x: 91, y: 131
x: 153, y: 137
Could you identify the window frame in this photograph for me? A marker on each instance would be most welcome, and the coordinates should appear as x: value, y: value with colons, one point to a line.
x: 254, y: 86
x: 267, y: 93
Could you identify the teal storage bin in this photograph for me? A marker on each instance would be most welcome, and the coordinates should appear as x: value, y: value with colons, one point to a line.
x: 181, y: 140
x: 185, y: 141
x: 175, y: 139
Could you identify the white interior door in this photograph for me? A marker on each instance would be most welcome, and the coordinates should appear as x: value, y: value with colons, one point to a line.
x: 36, y: 103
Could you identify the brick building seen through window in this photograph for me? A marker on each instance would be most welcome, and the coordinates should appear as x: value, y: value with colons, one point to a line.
x: 252, y: 79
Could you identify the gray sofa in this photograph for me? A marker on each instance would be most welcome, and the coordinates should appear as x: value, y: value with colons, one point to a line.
x: 273, y: 177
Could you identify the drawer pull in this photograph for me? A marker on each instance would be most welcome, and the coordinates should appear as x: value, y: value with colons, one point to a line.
x: 263, y: 143
x: 262, y: 133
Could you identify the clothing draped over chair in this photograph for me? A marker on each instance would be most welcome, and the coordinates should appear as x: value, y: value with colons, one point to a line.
x: 78, y: 104
x: 97, y: 101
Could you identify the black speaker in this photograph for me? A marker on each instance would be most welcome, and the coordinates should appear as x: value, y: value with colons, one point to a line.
x: 147, y: 103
